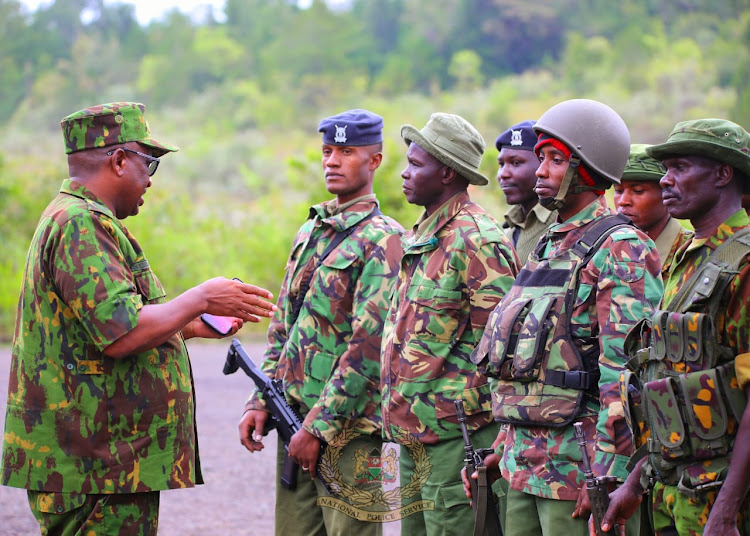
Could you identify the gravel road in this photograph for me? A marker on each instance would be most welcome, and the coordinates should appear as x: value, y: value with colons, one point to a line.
x: 238, y: 496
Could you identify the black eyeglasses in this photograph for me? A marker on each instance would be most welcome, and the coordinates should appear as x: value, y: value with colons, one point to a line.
x: 153, y: 162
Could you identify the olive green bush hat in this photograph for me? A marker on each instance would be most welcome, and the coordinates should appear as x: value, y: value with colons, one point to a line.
x: 641, y: 167
x: 717, y: 139
x: 109, y: 124
x: 452, y: 140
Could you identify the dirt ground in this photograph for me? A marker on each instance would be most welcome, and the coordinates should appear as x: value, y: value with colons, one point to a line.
x: 238, y: 496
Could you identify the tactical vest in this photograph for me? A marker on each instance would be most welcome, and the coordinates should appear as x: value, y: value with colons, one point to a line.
x: 680, y: 392
x: 542, y: 376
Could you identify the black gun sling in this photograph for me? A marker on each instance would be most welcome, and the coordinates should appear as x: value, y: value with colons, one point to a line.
x: 340, y: 237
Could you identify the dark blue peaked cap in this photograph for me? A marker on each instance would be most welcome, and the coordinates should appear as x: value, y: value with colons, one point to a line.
x: 352, y: 127
x: 520, y: 136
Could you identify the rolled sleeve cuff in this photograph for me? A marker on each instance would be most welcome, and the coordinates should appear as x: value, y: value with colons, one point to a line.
x: 611, y: 465
x: 112, y: 319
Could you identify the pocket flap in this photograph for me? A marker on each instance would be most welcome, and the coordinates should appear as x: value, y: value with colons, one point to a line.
x: 705, y: 408
x: 658, y: 336
x: 694, y: 327
x: 533, y: 333
x: 664, y: 410
x: 54, y: 502
x: 674, y: 337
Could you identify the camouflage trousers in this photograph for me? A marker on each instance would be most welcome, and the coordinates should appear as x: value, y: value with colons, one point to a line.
x: 76, y: 514
x: 676, y: 513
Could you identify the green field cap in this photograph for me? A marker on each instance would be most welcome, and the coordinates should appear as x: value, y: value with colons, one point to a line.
x: 717, y: 139
x: 109, y: 124
x: 641, y: 167
x: 452, y: 140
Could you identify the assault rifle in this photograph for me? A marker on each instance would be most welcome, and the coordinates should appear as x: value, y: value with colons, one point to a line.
x: 283, y: 417
x: 486, y: 522
x: 596, y: 487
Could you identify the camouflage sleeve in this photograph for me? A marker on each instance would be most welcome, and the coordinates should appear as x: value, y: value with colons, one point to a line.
x: 88, y: 268
x: 490, y: 275
x: 628, y: 289
x: 353, y: 390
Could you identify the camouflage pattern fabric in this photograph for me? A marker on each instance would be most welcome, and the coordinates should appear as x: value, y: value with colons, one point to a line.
x: 681, y: 237
x: 71, y: 514
x: 451, y: 277
x: 618, y: 287
x: 732, y: 327
x: 530, y: 229
x: 78, y: 421
x: 688, y: 515
x: 329, y: 360
x: 109, y: 124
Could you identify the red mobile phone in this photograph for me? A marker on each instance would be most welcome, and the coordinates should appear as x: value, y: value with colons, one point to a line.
x: 220, y: 324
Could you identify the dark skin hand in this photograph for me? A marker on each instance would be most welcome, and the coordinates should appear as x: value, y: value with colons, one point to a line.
x: 304, y: 447
x: 220, y: 296
x: 623, y: 502
x: 491, y: 461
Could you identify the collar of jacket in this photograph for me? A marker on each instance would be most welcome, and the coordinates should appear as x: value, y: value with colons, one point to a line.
x: 428, y: 239
x: 348, y: 217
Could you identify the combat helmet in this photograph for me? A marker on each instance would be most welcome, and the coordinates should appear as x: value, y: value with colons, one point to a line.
x: 596, y: 136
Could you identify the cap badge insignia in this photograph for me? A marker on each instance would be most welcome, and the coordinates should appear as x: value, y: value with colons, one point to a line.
x: 340, y: 134
x: 515, y: 138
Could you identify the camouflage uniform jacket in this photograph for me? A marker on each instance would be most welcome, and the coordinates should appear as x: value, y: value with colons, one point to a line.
x: 329, y: 358
x: 732, y: 326
x: 451, y: 278
x: 527, y: 231
x: 77, y: 420
x: 671, y: 239
x: 619, y: 286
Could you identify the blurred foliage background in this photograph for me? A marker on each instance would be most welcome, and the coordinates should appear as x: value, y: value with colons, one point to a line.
x: 242, y: 97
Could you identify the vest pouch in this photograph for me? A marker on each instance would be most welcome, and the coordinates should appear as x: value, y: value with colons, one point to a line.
x: 532, y: 340
x: 665, y: 420
x: 658, y: 336
x: 730, y: 388
x: 631, y: 395
x: 696, y: 327
x: 636, y: 345
x: 706, y: 414
x: 673, y: 336
x: 504, y: 338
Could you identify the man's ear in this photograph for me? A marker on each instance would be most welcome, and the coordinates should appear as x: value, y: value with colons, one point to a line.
x: 724, y: 175
x: 375, y: 160
x: 118, y: 161
x: 448, y: 175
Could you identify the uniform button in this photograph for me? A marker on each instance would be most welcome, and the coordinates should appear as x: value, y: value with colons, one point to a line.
x: 70, y: 366
x: 59, y: 509
x: 706, y: 281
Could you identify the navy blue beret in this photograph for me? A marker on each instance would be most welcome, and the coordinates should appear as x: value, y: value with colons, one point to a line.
x: 520, y: 136
x: 352, y: 127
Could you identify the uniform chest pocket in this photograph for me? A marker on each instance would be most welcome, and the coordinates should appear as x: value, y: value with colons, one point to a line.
x: 437, y: 313
x: 148, y: 284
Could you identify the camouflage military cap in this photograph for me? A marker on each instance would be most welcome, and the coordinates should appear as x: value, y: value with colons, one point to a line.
x: 717, y: 139
x: 641, y: 167
x: 109, y: 124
